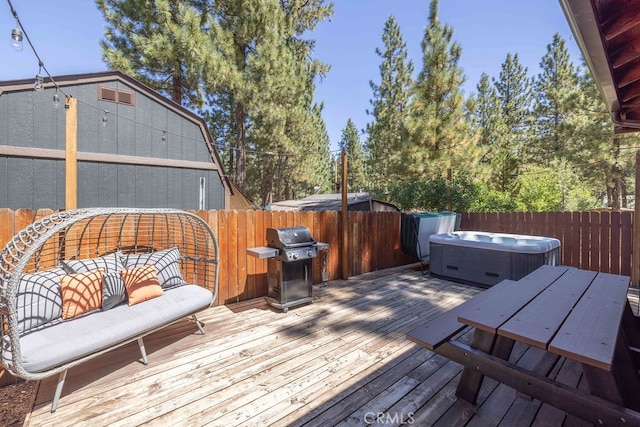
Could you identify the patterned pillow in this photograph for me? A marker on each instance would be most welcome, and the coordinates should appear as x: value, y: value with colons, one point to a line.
x: 112, y: 263
x: 141, y: 283
x: 81, y: 293
x: 39, y: 299
x: 113, y: 291
x: 166, y: 263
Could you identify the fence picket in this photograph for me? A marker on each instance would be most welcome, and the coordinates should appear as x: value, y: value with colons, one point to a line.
x: 616, y: 225
x: 605, y: 242
x: 626, y: 242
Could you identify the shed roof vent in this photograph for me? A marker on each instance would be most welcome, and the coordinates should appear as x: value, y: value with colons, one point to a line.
x: 119, y: 96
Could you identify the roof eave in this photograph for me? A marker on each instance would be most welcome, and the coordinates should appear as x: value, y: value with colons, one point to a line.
x: 583, y: 22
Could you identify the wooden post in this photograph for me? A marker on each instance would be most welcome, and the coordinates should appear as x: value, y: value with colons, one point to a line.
x: 344, y: 244
x: 449, y: 189
x: 71, y: 155
x: 635, y: 250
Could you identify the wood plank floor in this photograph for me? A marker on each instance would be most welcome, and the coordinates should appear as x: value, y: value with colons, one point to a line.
x: 343, y: 360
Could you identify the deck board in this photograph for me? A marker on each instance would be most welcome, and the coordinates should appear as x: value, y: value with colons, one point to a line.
x: 339, y: 361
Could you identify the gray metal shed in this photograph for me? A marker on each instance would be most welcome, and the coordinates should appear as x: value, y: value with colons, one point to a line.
x: 135, y: 147
x: 333, y: 202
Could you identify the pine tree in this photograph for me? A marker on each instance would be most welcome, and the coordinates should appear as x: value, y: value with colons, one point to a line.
x: 350, y: 142
x: 556, y: 89
x: 440, y: 135
x: 387, y: 134
x: 596, y: 153
x: 167, y: 46
x: 498, y: 156
x: 270, y: 79
x: 514, y: 92
x: 246, y: 64
x: 488, y: 115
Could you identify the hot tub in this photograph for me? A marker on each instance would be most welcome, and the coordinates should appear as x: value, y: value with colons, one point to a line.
x: 488, y: 258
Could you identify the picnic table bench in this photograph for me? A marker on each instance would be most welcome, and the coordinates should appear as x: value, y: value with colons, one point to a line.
x: 577, y: 314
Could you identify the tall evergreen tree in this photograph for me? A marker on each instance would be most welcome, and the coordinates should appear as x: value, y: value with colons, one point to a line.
x: 596, y: 153
x: 556, y: 89
x: 386, y: 133
x: 497, y: 154
x: 249, y: 60
x: 356, y: 163
x: 440, y: 135
x: 488, y: 115
x: 167, y: 46
x: 269, y: 75
x: 514, y: 92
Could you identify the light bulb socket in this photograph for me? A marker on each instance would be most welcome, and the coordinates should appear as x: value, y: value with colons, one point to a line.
x: 38, y: 84
x: 16, y: 39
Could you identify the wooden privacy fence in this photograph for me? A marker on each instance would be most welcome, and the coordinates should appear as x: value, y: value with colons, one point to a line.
x: 374, y: 243
x: 599, y: 241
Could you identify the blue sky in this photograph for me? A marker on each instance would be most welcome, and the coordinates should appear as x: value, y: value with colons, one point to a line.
x: 66, y: 34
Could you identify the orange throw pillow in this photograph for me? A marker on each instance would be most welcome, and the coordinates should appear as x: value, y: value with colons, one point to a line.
x: 81, y: 292
x: 141, y: 283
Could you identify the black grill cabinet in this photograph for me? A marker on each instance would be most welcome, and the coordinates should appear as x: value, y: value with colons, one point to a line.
x: 290, y: 254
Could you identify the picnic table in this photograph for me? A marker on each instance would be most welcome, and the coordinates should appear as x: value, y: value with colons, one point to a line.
x: 577, y: 314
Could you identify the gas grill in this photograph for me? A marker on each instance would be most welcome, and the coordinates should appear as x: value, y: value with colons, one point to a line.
x: 289, y: 254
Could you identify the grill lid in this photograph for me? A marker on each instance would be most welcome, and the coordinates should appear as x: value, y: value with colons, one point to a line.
x: 292, y: 237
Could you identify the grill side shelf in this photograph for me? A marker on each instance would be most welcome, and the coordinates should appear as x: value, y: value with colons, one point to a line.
x: 262, y: 252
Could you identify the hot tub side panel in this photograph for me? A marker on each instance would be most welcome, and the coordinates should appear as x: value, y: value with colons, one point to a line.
x: 469, y: 264
x: 486, y: 267
x: 522, y: 264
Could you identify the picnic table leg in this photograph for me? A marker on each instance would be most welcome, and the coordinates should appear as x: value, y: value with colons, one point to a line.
x: 631, y: 330
x: 622, y: 384
x: 470, y: 379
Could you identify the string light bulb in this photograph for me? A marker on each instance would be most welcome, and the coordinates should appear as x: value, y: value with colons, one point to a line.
x: 56, y: 100
x: 104, y: 119
x: 16, y: 39
x: 38, y: 84
x: 164, y: 135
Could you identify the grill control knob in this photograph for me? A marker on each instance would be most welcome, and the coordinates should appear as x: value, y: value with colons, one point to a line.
x: 294, y: 255
x: 310, y: 254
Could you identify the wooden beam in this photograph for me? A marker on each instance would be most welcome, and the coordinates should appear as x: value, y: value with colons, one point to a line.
x: 344, y: 214
x: 620, y: 24
x: 635, y: 251
x: 624, y: 57
x: 71, y: 155
x: 45, y: 153
x: 576, y: 402
x: 623, y: 79
x: 630, y: 92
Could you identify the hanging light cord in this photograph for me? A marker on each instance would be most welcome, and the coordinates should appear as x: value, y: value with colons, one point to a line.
x: 40, y: 62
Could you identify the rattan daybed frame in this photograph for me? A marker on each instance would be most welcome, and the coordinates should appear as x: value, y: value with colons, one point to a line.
x: 92, y: 233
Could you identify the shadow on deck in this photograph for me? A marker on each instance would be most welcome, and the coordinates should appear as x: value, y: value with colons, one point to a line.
x: 343, y: 360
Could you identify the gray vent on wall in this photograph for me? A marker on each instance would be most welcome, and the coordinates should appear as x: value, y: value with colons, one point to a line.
x: 119, y: 96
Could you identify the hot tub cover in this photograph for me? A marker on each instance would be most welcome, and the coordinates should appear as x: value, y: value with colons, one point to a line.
x: 497, y: 241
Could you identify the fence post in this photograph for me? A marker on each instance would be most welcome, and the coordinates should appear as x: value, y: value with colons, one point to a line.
x: 344, y: 243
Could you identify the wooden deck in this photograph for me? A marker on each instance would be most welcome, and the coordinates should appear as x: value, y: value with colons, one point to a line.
x: 343, y: 360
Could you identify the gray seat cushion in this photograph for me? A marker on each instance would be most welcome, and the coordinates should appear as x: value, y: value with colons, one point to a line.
x: 62, y: 342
